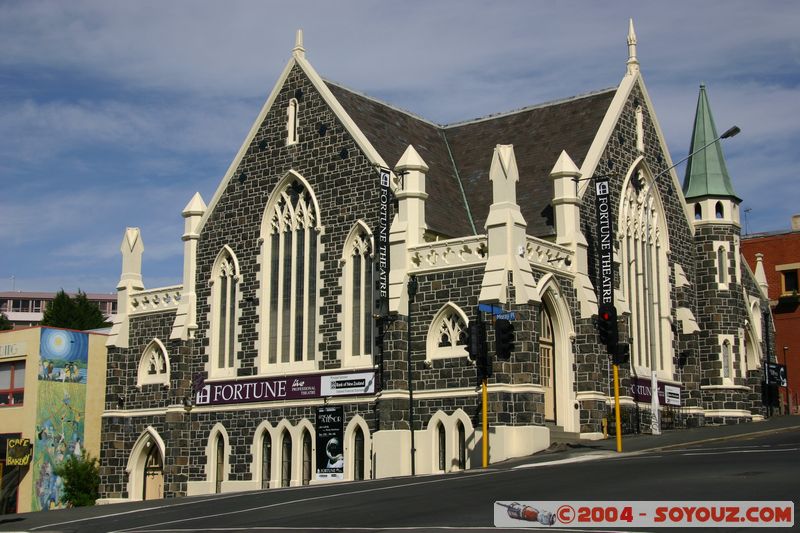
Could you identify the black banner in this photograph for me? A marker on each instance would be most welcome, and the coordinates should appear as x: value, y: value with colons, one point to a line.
x: 382, y: 246
x: 776, y: 375
x: 330, y: 442
x: 605, y: 242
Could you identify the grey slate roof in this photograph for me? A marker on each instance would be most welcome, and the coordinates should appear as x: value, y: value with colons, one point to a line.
x: 464, y: 152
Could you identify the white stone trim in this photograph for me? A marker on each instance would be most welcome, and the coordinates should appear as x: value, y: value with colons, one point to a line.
x: 136, y: 459
x: 347, y: 354
x: 401, y: 394
x: 315, y: 229
x: 214, y: 300
x: 739, y: 413
x: 563, y: 353
x: 725, y: 387
x: 451, y: 317
x: 154, y: 300
x: 584, y: 396
x: 357, y: 421
x: 211, y: 456
x: 159, y: 378
x: 722, y: 285
x: 256, y: 452
x: 687, y: 319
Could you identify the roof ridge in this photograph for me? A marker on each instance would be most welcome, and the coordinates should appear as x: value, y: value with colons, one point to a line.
x: 530, y: 107
x: 472, y: 120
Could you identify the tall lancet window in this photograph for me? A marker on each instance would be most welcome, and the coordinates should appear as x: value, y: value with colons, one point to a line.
x: 291, y: 122
x: 644, y: 270
x: 290, y: 266
x: 225, y: 294
x: 357, y: 264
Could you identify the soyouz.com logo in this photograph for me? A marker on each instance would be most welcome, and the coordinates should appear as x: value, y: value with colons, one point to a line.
x: 701, y: 514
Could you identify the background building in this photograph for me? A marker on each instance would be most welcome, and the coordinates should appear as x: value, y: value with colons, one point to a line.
x: 26, y: 309
x: 52, y: 387
x: 266, y: 366
x: 775, y: 259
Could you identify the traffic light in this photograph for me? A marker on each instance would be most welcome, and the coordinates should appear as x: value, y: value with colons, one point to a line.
x: 476, y: 340
x: 621, y: 354
x: 607, y: 326
x: 504, y: 338
x: 476, y: 349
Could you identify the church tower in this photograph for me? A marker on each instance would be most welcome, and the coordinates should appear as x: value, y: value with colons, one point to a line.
x: 720, y: 349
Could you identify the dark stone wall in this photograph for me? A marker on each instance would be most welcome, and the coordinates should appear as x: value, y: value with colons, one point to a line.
x: 618, y: 157
x: 346, y: 188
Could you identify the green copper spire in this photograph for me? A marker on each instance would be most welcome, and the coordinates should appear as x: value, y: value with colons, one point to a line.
x: 706, y: 173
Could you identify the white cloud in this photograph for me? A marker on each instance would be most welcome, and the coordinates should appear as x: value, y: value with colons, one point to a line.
x: 174, y: 87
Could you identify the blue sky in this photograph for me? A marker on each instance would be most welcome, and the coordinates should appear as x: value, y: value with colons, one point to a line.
x: 113, y: 114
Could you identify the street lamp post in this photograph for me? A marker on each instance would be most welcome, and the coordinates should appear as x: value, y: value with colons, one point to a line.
x: 788, y: 390
x: 413, y: 285
x: 655, y: 418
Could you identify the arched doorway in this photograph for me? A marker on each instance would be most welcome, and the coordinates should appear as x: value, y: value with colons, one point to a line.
x: 153, y: 486
x: 546, y: 364
x: 145, y: 468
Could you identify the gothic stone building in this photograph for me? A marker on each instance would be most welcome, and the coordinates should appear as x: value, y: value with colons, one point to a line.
x: 214, y: 385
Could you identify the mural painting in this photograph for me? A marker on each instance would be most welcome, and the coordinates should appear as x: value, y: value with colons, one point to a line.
x: 63, y: 361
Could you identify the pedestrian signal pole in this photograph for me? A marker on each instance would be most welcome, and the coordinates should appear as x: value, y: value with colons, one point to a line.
x: 476, y: 348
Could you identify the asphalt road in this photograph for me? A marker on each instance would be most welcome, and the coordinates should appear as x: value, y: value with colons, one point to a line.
x: 764, y: 467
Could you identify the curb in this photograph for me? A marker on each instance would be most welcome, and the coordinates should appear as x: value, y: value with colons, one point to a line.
x: 723, y: 438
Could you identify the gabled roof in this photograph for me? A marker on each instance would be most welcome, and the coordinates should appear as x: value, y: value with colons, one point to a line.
x: 706, y: 172
x: 459, y: 155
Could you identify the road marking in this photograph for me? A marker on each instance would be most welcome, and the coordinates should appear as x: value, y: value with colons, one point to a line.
x: 726, y: 437
x: 214, y: 497
x: 399, y: 528
x: 304, y: 500
x: 576, y: 459
x: 743, y: 451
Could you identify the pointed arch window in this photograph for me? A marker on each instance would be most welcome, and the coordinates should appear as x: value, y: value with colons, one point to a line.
x: 462, y: 446
x: 225, y: 300
x: 727, y: 361
x: 447, y: 336
x: 358, y: 454
x: 306, y: 457
x: 286, y: 459
x: 441, y: 437
x: 698, y: 211
x: 644, y: 243
x: 719, y: 211
x: 266, y: 459
x: 357, y: 272
x: 722, y: 265
x: 290, y: 263
x: 219, y: 463
x: 153, y: 365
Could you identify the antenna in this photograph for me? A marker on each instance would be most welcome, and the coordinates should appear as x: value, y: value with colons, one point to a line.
x: 746, y: 212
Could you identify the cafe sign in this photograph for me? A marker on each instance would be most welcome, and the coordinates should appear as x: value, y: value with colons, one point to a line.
x: 18, y: 452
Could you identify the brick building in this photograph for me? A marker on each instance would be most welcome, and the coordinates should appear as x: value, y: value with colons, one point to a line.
x: 272, y: 334
x: 775, y: 259
x: 25, y: 308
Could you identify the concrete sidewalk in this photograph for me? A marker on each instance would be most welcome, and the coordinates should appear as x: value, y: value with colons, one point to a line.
x: 668, y: 439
